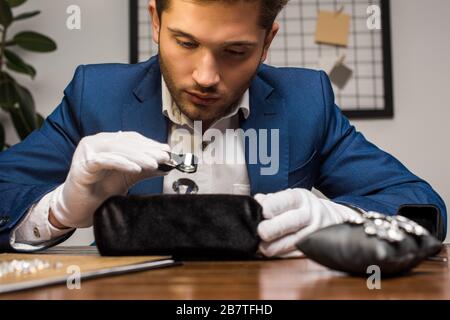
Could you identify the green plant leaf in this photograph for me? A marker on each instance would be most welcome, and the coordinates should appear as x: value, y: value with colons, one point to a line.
x: 39, y: 120
x: 20, y: 123
x: 27, y: 105
x: 10, y: 102
x: 5, y: 14
x: 15, y: 3
x: 33, y: 41
x: 16, y: 63
x: 29, y: 70
x: 18, y: 101
x: 26, y: 15
x: 2, y: 137
x: 22, y: 111
x: 8, y: 93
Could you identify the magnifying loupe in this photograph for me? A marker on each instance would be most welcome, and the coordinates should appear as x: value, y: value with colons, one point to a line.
x: 186, y: 163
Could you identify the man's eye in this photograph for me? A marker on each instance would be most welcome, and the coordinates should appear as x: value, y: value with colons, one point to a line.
x: 187, y: 44
x: 236, y: 53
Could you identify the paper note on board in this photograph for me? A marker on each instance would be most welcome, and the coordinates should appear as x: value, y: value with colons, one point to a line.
x: 338, y: 72
x: 340, y: 75
x: 328, y: 60
x: 333, y: 28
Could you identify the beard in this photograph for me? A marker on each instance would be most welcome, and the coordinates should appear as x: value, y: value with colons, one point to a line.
x: 197, y: 112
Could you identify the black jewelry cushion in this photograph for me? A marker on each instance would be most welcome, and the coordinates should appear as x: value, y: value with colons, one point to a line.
x: 348, y: 248
x: 183, y: 226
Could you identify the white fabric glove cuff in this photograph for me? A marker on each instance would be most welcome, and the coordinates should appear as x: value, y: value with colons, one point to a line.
x: 66, y: 217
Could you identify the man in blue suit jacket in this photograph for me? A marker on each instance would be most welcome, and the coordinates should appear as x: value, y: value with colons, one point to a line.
x: 114, y: 106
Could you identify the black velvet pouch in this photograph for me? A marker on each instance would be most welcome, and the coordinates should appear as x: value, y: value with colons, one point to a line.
x: 183, y: 226
x: 352, y: 248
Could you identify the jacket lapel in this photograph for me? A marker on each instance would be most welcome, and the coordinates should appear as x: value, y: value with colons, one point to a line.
x: 144, y: 115
x: 267, y: 112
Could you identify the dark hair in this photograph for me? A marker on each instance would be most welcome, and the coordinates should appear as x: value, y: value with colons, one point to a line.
x: 269, y: 9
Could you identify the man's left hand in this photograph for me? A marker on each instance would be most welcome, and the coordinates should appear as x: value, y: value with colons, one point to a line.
x: 291, y: 215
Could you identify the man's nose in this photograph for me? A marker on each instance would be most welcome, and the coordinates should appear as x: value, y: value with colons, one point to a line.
x: 207, y: 73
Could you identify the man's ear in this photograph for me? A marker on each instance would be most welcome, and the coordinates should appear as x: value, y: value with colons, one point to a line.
x: 156, y: 25
x: 268, y: 41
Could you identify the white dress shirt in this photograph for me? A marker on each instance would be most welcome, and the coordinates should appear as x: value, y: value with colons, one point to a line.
x: 222, y: 167
x: 212, y: 176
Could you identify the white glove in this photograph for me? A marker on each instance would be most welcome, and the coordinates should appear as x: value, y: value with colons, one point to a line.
x: 293, y: 214
x: 105, y: 165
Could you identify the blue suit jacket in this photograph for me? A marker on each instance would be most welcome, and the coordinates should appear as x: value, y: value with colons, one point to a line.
x: 318, y: 146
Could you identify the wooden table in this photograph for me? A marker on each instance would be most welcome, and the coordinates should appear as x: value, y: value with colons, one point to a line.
x: 274, y: 279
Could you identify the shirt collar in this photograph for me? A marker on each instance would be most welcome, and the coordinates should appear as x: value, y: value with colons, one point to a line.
x: 171, y: 110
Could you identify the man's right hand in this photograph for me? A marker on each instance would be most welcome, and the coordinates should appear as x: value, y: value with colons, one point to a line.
x: 104, y: 165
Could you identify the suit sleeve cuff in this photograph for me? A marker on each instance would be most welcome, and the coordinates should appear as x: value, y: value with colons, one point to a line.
x: 35, y: 231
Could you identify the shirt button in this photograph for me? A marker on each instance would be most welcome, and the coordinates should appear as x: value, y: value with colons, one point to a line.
x: 36, y: 232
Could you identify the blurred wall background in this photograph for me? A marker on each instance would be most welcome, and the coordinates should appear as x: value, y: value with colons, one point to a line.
x: 418, y: 135
x: 103, y: 38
